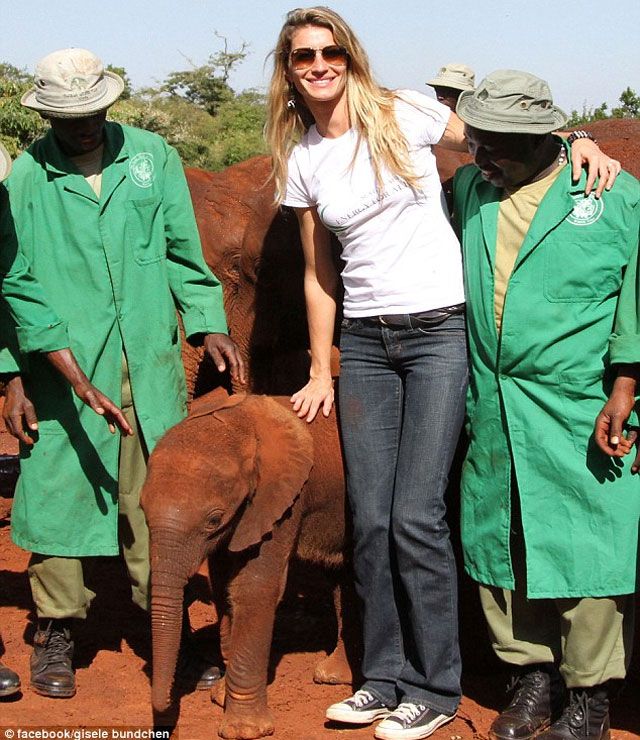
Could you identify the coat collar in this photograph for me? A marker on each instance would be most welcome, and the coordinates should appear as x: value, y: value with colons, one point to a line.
x: 114, y: 159
x: 556, y: 205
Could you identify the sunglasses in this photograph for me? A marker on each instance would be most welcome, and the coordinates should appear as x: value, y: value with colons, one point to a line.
x: 305, y: 57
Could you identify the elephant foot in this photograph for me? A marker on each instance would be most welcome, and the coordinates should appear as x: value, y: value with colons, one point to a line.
x: 334, y: 669
x: 218, y: 692
x: 248, y: 726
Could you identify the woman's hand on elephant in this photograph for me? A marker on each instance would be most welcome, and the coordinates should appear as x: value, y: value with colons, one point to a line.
x: 585, y: 152
x: 19, y: 413
x: 317, y: 394
x: 222, y: 350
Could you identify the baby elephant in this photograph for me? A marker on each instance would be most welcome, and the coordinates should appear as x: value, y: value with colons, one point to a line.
x: 247, y: 484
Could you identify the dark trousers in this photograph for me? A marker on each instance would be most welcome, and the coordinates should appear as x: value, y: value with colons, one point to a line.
x: 401, y: 405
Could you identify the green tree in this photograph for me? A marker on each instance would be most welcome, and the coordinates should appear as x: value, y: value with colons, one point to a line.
x: 629, y: 108
x: 208, y: 123
x: 207, y: 86
x: 630, y: 105
x: 238, y: 128
x: 19, y: 126
x: 122, y: 72
x: 13, y: 74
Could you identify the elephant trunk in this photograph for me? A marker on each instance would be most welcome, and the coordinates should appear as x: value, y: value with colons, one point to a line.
x: 167, y: 596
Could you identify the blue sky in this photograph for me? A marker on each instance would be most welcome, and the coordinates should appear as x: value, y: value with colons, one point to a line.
x: 588, y: 52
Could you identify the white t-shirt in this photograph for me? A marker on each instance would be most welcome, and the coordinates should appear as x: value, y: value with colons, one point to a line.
x: 400, y: 252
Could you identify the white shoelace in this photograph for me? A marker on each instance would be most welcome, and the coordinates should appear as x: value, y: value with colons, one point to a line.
x: 407, y: 712
x: 361, y: 697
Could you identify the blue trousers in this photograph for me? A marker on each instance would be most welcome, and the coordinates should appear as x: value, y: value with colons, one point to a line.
x: 401, y: 406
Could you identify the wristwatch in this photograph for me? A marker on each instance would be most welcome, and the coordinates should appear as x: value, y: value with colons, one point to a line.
x: 580, y: 134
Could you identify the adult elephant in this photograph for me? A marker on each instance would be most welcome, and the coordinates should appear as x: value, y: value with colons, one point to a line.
x: 254, y: 249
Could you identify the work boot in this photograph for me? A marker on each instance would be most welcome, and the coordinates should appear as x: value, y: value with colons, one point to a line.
x: 51, y: 670
x: 9, y: 681
x: 194, y: 670
x: 586, y: 717
x: 538, y: 695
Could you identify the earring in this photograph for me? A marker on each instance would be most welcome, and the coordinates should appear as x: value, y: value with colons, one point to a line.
x: 291, y: 103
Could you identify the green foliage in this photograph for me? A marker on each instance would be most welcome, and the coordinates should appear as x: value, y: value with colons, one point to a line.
x: 630, y: 105
x: 196, y: 111
x: 122, y: 72
x: 12, y: 74
x: 629, y: 108
x: 19, y: 126
x: 200, y: 87
x: 238, y: 128
x: 207, y: 86
x: 202, y: 141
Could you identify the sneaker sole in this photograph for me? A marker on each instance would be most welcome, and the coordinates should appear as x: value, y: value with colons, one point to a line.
x: 416, y: 733
x: 353, y: 717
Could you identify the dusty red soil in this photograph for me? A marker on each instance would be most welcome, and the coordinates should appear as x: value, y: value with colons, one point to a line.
x: 112, y: 659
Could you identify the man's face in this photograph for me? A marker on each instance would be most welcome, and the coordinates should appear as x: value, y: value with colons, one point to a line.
x: 79, y: 135
x: 447, y: 96
x: 505, y: 160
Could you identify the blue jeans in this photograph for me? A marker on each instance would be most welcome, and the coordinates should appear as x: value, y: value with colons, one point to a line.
x: 401, y: 405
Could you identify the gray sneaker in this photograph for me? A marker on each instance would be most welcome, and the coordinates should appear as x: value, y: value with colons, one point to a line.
x: 411, y: 722
x: 360, y: 709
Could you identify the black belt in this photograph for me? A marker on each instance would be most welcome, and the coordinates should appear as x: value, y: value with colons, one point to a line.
x: 414, y: 320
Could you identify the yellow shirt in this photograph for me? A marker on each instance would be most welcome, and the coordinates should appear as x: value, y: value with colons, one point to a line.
x: 90, y: 165
x: 517, y: 209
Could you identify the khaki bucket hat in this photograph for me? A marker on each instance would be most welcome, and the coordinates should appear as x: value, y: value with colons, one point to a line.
x: 5, y: 163
x: 509, y: 101
x: 457, y: 76
x: 72, y: 83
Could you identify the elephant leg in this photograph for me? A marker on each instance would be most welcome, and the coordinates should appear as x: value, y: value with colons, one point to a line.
x: 342, y: 665
x: 254, y: 594
x: 218, y: 580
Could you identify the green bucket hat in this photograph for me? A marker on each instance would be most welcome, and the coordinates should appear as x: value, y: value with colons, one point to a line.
x: 5, y: 163
x: 509, y: 101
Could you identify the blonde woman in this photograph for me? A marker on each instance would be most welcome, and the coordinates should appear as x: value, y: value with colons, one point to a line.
x: 356, y: 159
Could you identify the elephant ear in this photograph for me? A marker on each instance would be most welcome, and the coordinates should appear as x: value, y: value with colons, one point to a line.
x: 215, y: 400
x: 283, y: 462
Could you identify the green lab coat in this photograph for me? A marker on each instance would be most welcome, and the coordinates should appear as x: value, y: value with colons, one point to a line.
x: 536, y: 390
x: 114, y: 269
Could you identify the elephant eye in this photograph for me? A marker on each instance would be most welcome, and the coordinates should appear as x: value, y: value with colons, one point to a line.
x: 212, y: 522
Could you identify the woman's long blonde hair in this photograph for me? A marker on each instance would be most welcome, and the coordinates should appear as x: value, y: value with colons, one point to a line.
x: 371, y: 107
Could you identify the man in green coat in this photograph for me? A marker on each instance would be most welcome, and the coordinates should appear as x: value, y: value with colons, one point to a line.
x: 9, y: 680
x: 99, y: 231
x: 549, y: 523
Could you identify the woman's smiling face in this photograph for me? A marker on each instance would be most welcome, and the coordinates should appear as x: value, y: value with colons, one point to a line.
x: 321, y: 82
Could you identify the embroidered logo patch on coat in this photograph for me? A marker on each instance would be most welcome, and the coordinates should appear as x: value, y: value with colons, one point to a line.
x: 141, y: 169
x: 586, y: 211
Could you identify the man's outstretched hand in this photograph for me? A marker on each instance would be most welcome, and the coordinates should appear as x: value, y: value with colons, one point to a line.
x: 18, y: 412
x: 65, y: 362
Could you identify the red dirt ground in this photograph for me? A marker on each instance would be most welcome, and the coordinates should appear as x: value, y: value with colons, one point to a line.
x: 112, y: 652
